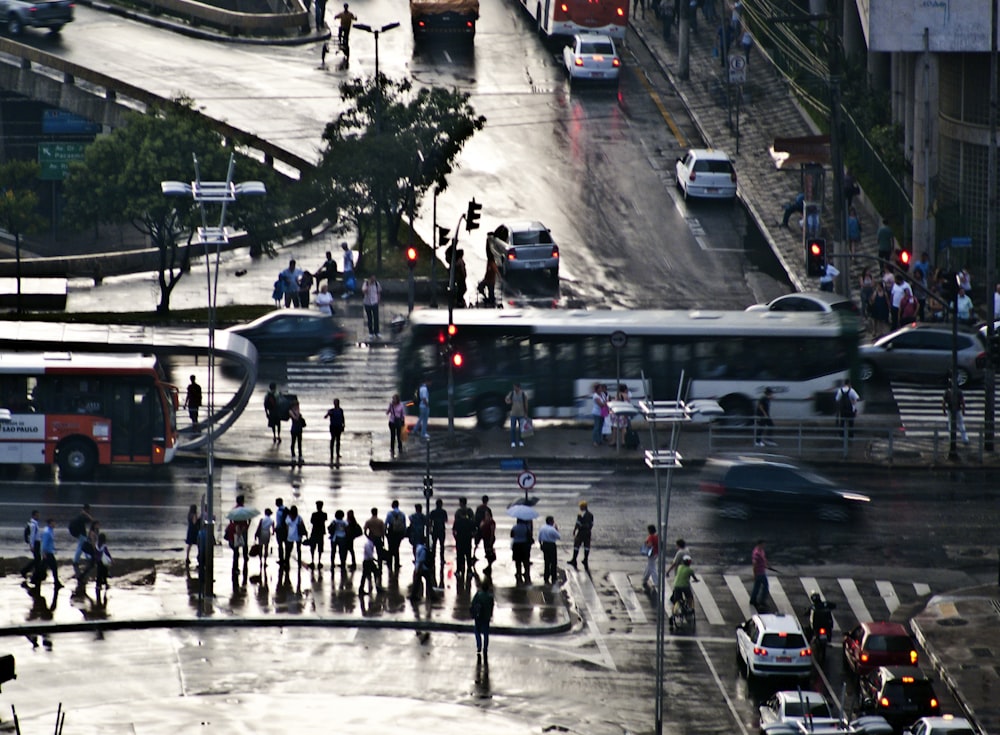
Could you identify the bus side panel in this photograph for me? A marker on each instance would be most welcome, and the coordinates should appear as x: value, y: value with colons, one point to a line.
x: 22, y: 440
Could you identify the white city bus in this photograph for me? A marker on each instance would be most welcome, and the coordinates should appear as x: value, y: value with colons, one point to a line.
x: 725, y: 356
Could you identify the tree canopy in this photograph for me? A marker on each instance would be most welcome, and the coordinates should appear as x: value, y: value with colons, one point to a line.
x: 370, y: 162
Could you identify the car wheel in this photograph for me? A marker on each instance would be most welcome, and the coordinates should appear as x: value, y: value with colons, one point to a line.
x: 834, y: 513
x: 736, y: 511
x: 14, y: 26
x: 54, y: 30
x: 738, y: 411
x: 77, y: 459
x: 961, y: 377
x: 867, y: 371
x: 327, y: 354
x: 491, y: 412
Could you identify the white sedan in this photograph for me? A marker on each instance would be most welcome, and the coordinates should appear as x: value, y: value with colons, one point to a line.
x: 706, y: 173
x: 592, y: 56
x: 795, y: 706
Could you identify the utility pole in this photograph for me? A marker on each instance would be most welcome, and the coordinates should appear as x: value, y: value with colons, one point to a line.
x: 684, y: 41
x: 991, y: 236
x: 836, y: 152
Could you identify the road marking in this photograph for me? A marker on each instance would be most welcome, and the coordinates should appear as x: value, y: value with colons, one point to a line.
x: 584, y: 589
x: 921, y: 589
x: 722, y: 688
x: 609, y: 661
x: 707, y: 604
x: 855, y: 600
x: 810, y: 585
x: 739, y: 592
x: 627, y: 594
x: 888, y: 593
x: 781, y: 601
x: 681, y: 140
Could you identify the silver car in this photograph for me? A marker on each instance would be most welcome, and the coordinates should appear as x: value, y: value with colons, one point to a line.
x: 923, y: 352
x: 592, y: 56
x: 524, y: 248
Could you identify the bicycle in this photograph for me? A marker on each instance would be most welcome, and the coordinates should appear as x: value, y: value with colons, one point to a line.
x: 682, y: 613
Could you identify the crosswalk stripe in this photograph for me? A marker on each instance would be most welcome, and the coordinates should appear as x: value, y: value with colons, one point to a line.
x: 921, y: 588
x: 706, y: 604
x: 855, y: 600
x: 583, y: 585
x: 777, y: 592
x: 628, y: 597
x: 810, y: 585
x: 735, y: 585
x: 888, y: 593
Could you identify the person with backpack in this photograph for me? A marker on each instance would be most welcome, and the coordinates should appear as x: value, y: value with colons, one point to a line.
x: 517, y: 399
x: 847, y: 407
x: 395, y: 526
x: 481, y: 611
x: 78, y: 530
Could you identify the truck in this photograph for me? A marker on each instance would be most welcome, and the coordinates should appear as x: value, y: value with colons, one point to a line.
x: 51, y: 14
x: 443, y: 18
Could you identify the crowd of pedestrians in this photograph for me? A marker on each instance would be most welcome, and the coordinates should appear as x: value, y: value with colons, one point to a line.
x: 91, y: 552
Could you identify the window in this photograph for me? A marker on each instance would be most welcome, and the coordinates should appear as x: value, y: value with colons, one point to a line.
x: 776, y: 640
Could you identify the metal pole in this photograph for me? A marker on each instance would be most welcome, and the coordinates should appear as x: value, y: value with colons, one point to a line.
x: 836, y: 158
x: 953, y: 388
x: 378, y: 131
x: 434, y: 249
x: 451, y: 316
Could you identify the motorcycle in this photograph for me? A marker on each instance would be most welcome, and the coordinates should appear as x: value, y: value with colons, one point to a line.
x: 820, y: 616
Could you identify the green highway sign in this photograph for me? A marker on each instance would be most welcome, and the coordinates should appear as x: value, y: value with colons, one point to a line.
x: 54, y: 158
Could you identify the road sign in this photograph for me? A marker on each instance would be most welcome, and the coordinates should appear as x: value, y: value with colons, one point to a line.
x: 737, y: 69
x: 54, y: 159
x: 619, y: 339
x: 526, y: 480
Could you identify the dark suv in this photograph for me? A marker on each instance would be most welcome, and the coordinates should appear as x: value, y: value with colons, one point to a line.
x: 900, y: 694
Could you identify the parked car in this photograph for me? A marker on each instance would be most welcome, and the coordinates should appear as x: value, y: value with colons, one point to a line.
x: 900, y: 694
x: 50, y: 14
x: 706, y: 173
x: 923, y: 352
x: 524, y: 248
x: 771, y: 645
x: 940, y: 725
x: 738, y: 485
x: 797, y: 706
x: 295, y: 332
x: 875, y: 644
x: 592, y: 56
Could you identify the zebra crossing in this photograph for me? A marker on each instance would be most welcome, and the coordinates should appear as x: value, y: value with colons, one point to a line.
x: 724, y: 598
x: 921, y: 412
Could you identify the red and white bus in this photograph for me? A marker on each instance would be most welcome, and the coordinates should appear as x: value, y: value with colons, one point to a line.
x: 568, y: 17
x: 82, y: 410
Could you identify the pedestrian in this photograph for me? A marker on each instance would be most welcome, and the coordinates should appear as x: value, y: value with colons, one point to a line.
x: 395, y: 528
x: 191, y: 537
x: 369, y: 569
x: 317, y: 532
x: 273, y: 412
x: 326, y: 272
x: 305, y: 288
x: 348, y: 269
x: 899, y: 289
x: 371, y: 291
x: 487, y: 533
x: 521, y: 539
x: 830, y: 273
x: 421, y: 571
x: 598, y: 404
x: 48, y: 544
x: 192, y: 400
x: 397, y: 421
x: 481, y: 611
x: 517, y: 399
x: 298, y: 423
x: 605, y: 416
x: 463, y: 529
x: 761, y: 590
x: 354, y: 531
x: 867, y: 286
x: 682, y: 587
x: 879, y: 310
x: 338, y: 541
x: 480, y: 514
x: 337, y: 424
x: 239, y: 531
x: 851, y: 189
x: 884, y: 241
x: 651, y: 550
x: 424, y: 408
x: 320, y: 15
x: 281, y: 530
x: 996, y: 302
x: 746, y: 42
x: 963, y: 307
x: 581, y: 534
x: 846, y: 400
x: 461, y: 279
x: 763, y: 425
x: 90, y: 550
x: 639, y: 5
x: 417, y: 532
x: 103, y: 558
x: 548, y: 535
x: 853, y: 231
x: 265, y: 529
x: 278, y: 292
x: 324, y: 300
x: 78, y: 530
x: 679, y: 554
x: 296, y: 533
x: 796, y: 205
x: 374, y: 530
x: 959, y: 411
x: 438, y: 520
x: 923, y: 266
x: 33, y: 538
x: 290, y: 284
x: 667, y: 17
x: 487, y: 286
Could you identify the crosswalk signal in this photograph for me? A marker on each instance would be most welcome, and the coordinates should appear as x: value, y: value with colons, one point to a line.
x: 903, y: 258
x: 456, y: 359
x: 411, y: 257
x: 443, y: 236
x: 472, y: 216
x: 428, y: 486
x: 816, y: 257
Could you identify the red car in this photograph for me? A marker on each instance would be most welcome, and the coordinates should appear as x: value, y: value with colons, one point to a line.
x: 871, y: 645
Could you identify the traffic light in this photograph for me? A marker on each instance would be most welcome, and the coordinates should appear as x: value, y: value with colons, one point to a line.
x: 903, y: 258
x: 443, y: 236
x: 452, y: 331
x: 816, y: 257
x: 428, y: 486
x: 472, y: 216
x: 456, y: 359
x: 411, y: 257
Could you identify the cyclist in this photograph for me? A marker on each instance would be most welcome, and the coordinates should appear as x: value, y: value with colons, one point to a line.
x: 682, y: 587
x: 346, y: 18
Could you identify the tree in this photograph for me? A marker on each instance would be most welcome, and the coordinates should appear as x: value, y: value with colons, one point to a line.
x: 369, y: 163
x: 19, y: 207
x: 119, y: 181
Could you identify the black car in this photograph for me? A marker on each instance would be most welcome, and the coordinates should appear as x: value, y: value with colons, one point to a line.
x: 740, y: 484
x: 295, y: 332
x: 900, y: 694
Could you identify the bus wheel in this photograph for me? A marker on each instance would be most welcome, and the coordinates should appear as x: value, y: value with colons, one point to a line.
x: 491, y: 412
x: 738, y: 410
x: 77, y: 459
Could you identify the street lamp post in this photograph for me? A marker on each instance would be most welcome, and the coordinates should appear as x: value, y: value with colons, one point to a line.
x: 378, y: 128
x: 222, y: 193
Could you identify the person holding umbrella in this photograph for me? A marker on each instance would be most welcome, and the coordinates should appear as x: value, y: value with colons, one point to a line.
x: 521, y: 540
x: 238, y: 530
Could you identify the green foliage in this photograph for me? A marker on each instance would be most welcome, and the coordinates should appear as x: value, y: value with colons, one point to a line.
x: 18, y: 199
x: 370, y: 161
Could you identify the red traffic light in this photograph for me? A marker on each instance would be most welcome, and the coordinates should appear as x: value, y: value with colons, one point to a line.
x: 904, y: 257
x: 411, y: 255
x: 815, y: 248
x: 457, y: 360
x: 452, y: 330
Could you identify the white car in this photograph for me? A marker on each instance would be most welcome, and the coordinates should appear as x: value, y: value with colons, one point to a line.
x: 706, y: 173
x: 592, y: 56
x: 796, y: 706
x: 773, y: 645
x: 940, y: 725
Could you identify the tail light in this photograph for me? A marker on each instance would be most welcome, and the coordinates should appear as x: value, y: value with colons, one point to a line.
x: 805, y: 652
x: 934, y: 703
x: 713, y: 488
x: 822, y: 632
x: 616, y: 62
x: 555, y: 251
x: 421, y: 23
x: 564, y: 7
x: 864, y: 657
x: 883, y: 702
x: 511, y: 254
x: 621, y: 12
x: 759, y: 651
x: 913, y: 657
x: 468, y: 24
x: 578, y: 61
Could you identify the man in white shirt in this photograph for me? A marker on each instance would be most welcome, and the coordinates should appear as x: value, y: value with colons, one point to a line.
x: 996, y: 303
x: 899, y: 287
x: 963, y: 306
x: 324, y: 300
x: 847, y: 407
x: 828, y: 277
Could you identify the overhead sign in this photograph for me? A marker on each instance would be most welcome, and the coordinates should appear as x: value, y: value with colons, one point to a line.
x: 60, y: 122
x: 737, y: 69
x: 526, y: 480
x: 54, y: 159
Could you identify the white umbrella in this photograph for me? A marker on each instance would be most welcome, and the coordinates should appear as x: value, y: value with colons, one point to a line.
x: 522, y: 512
x: 242, y: 513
